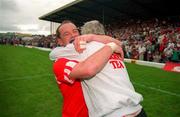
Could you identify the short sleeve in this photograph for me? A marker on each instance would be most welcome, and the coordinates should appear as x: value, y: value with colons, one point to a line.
x: 62, y: 68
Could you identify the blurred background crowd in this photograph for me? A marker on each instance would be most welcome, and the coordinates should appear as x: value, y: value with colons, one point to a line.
x: 156, y: 39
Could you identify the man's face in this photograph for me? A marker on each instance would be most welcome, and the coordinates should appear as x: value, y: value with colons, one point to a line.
x: 67, y: 33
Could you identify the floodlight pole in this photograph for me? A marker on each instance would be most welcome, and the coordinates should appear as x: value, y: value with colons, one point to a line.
x: 103, y: 16
x: 51, y: 28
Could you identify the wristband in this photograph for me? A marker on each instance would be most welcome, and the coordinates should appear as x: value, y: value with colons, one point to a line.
x: 82, y: 44
x: 112, y: 45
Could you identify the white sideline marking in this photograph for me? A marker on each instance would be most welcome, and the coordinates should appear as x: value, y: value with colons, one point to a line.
x: 156, y: 89
x: 25, y: 77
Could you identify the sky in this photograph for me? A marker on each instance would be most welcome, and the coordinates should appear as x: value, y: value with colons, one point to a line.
x: 23, y: 15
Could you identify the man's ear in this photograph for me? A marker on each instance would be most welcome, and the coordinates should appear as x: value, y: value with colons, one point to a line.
x: 60, y: 42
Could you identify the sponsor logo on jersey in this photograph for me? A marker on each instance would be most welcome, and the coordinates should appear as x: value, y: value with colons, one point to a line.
x: 115, y: 61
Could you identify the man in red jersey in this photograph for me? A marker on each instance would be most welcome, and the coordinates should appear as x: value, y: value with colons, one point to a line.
x: 69, y: 72
x: 71, y: 90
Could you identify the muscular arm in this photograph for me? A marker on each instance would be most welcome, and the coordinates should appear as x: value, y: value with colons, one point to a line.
x: 107, y: 39
x: 98, y: 38
x: 93, y: 37
x: 93, y: 64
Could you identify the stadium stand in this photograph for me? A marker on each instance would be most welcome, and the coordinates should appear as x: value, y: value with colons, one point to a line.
x: 148, y: 31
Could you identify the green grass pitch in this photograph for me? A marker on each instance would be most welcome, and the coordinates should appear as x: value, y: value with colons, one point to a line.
x: 28, y: 87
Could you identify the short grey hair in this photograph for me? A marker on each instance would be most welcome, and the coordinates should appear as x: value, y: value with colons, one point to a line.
x: 92, y: 27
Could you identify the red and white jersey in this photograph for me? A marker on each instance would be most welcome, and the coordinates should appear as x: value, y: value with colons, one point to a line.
x: 110, y: 93
x: 73, y: 99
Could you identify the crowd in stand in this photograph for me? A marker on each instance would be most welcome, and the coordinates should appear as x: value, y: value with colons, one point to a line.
x: 155, y: 39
